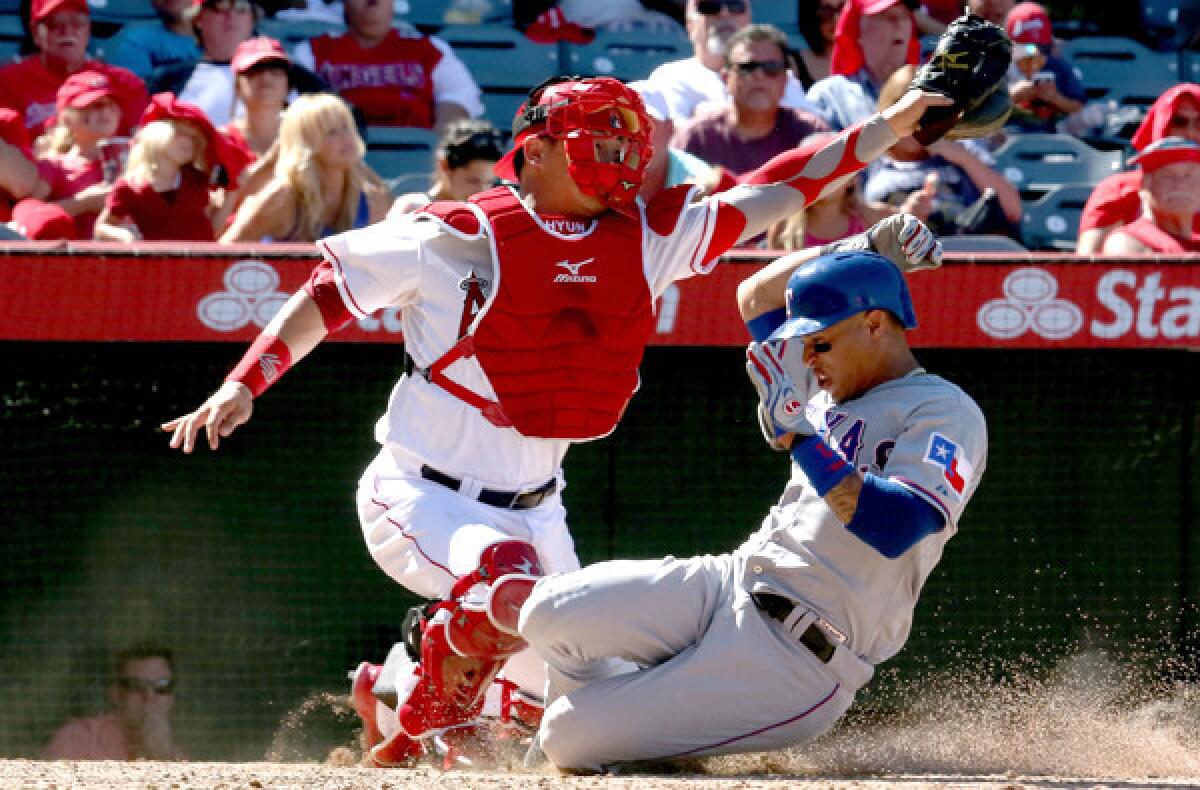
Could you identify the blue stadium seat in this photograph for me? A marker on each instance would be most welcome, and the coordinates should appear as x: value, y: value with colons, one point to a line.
x: 1052, y: 221
x: 501, y: 57
x: 290, y: 32
x: 626, y: 55
x: 1037, y: 162
x: 121, y: 11
x: 504, y: 63
x: 434, y: 14
x: 403, y: 157
x: 780, y: 13
x: 985, y: 242
x: 1121, y: 69
x: 11, y: 36
x: 1171, y: 24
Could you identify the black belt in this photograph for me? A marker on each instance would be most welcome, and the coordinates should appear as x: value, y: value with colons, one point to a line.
x: 512, y: 500
x: 779, y: 608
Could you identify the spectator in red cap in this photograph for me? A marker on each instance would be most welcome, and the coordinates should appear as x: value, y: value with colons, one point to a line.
x: 321, y: 184
x: 1170, y: 199
x: 1044, y: 88
x: 392, y: 74
x: 18, y: 173
x: 60, y: 31
x: 1116, y: 200
x: 873, y: 39
x: 70, y: 162
x: 261, y: 67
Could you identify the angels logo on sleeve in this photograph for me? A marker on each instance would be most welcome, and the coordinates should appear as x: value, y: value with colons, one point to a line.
x: 956, y: 469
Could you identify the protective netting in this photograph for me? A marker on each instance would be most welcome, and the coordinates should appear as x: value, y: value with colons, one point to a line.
x: 251, y: 567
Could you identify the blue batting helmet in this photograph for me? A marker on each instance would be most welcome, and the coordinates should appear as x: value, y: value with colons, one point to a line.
x: 834, y: 287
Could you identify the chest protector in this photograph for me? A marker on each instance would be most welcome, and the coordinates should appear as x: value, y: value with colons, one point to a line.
x: 564, y: 329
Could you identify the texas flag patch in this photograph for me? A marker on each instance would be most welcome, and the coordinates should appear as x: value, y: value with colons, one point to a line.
x: 949, y: 457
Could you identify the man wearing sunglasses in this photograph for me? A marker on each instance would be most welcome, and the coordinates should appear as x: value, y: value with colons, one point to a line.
x: 752, y: 127
x: 138, y: 727
x: 692, y: 82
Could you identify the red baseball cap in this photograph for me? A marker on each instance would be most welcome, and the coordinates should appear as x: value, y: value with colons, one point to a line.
x: 40, y: 9
x: 256, y: 50
x: 165, y: 107
x: 82, y: 89
x: 1028, y: 23
x: 1167, y: 151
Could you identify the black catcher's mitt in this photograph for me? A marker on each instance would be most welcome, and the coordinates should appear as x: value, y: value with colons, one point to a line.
x: 969, y: 66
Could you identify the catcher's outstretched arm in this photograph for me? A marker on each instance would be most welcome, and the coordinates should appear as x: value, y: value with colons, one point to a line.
x: 793, y: 180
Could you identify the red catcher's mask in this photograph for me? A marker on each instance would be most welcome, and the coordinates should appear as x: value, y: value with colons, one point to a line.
x: 580, y: 112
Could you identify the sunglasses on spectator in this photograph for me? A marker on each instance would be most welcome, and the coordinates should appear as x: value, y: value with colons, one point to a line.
x: 772, y: 68
x: 713, y: 7
x: 160, y: 686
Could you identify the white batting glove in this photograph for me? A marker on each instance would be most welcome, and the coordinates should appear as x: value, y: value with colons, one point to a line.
x: 781, y: 407
x: 907, y: 242
x: 901, y: 238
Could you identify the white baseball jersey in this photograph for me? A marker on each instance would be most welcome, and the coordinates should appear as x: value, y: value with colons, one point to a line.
x: 423, y: 267
x: 920, y: 431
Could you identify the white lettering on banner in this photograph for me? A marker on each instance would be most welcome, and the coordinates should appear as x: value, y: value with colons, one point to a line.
x: 250, y: 296
x: 388, y: 319
x: 1029, y: 303
x: 1181, y: 318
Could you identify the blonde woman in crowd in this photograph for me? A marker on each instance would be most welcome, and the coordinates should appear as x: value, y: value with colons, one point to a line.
x: 321, y: 184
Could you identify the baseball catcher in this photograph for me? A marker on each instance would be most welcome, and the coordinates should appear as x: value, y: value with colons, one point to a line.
x: 968, y: 66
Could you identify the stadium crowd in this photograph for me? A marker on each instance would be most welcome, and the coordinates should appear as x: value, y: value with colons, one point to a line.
x: 177, y: 127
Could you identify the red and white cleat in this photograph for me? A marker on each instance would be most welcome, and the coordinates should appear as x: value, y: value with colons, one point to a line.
x: 362, y: 680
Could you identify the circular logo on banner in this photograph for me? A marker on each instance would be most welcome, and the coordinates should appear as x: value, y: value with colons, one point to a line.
x: 1030, y: 303
x: 251, y: 297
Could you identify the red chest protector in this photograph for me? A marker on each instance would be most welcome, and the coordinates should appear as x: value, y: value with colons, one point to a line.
x: 563, y: 332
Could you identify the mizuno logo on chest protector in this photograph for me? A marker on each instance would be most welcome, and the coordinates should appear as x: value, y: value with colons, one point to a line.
x: 573, y: 275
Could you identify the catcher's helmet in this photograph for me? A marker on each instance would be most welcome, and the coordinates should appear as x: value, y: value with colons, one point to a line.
x: 577, y: 110
x: 834, y: 287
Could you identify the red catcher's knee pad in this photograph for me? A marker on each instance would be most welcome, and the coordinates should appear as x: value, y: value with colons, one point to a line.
x: 465, y: 641
x: 487, y: 604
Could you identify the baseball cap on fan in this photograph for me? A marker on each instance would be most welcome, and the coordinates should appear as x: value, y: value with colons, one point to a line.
x: 1167, y: 151
x: 40, y: 9
x: 1028, y: 23
x: 82, y: 89
x: 260, y: 49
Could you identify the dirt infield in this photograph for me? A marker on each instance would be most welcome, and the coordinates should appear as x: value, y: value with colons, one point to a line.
x: 31, y: 775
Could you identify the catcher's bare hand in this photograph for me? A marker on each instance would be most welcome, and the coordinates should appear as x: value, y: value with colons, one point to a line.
x: 225, y: 410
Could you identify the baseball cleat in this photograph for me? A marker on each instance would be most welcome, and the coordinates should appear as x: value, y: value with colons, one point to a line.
x: 362, y: 680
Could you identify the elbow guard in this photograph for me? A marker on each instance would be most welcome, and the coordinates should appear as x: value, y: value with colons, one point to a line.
x: 322, y: 288
x: 890, y: 518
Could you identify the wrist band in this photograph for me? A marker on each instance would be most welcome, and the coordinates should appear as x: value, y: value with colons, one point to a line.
x: 824, y: 466
x: 264, y: 362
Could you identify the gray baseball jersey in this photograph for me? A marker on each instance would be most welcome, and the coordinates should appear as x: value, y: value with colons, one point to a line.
x: 920, y: 431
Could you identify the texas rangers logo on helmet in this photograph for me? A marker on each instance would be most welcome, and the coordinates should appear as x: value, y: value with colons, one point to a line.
x: 956, y: 469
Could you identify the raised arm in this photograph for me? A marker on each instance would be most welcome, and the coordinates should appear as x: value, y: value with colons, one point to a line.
x: 795, y: 179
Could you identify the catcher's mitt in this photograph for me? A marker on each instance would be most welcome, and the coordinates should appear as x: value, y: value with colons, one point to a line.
x: 969, y: 66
